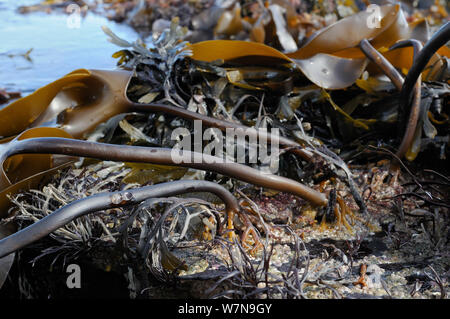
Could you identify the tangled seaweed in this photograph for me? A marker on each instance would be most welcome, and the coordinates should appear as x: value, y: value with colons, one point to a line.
x: 231, y: 74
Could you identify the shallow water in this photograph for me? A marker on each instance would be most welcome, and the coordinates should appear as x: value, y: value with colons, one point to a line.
x: 57, y: 48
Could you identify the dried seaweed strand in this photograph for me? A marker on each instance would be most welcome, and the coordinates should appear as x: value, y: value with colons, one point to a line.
x: 163, y: 156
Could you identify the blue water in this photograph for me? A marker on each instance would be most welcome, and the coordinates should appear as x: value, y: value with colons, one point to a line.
x: 57, y: 48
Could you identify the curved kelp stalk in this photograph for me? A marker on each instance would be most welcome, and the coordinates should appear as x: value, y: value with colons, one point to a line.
x: 331, y: 59
x: 19, y: 167
x: 439, y: 39
x: 103, y: 201
x: 77, y: 103
x: 398, y: 81
x: 413, y: 118
x: 154, y: 155
x: 22, y: 172
x: 343, y: 37
x: 378, y: 59
x: 83, y: 99
x: 410, y: 94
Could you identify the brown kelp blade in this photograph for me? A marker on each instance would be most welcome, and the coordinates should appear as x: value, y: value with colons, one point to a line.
x: 331, y: 72
x: 18, y: 116
x: 342, y: 38
x: 226, y: 50
x: 76, y: 103
x: 20, y: 172
x: 68, y: 107
x: 324, y: 70
x: 402, y: 58
x: 332, y: 59
x: 105, y: 95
